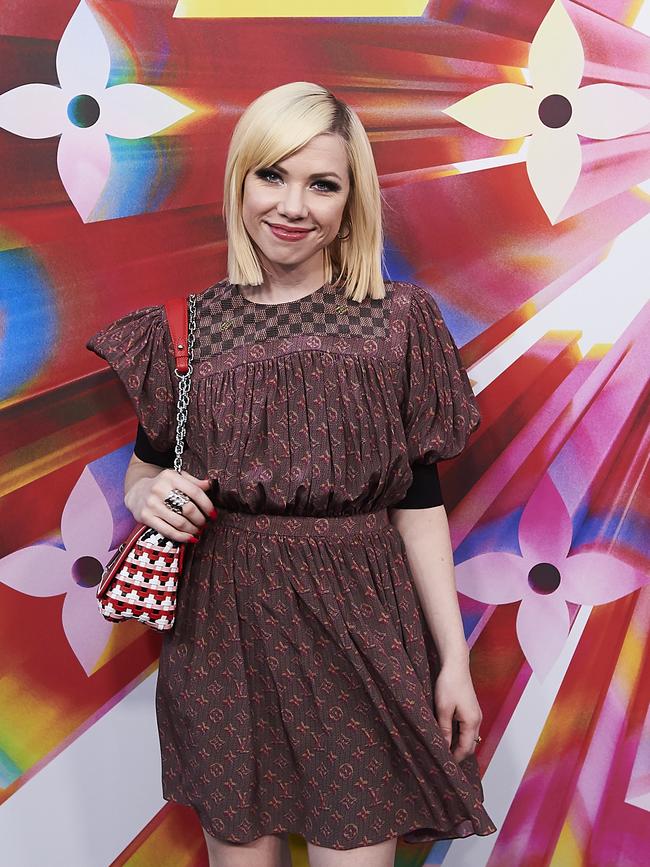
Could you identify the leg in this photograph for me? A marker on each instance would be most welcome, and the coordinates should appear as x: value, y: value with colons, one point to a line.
x: 379, y: 855
x: 271, y: 850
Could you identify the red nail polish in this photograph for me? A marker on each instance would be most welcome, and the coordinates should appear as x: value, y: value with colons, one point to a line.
x: 195, y: 539
x: 213, y: 513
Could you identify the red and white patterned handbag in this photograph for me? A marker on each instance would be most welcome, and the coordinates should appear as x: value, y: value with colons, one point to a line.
x: 140, y: 581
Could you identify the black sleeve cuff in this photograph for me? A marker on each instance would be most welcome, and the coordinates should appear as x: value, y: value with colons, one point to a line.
x: 146, y: 452
x: 424, y: 491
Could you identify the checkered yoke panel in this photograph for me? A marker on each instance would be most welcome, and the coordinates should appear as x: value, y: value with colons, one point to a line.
x: 226, y: 321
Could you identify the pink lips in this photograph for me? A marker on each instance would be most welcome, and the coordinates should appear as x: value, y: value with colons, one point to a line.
x: 288, y: 233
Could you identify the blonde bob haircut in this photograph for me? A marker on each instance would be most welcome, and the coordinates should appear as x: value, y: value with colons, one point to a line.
x: 276, y: 125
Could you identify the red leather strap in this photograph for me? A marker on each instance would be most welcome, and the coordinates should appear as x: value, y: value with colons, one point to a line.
x: 177, y: 317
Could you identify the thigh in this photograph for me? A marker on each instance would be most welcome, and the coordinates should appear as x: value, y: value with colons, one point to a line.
x: 378, y: 855
x: 272, y: 850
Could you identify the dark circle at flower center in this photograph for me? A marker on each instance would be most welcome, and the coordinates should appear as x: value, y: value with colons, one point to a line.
x: 87, y: 571
x: 555, y: 110
x: 83, y: 110
x: 544, y: 578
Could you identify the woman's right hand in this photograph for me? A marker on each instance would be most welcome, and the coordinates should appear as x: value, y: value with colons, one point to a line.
x: 145, y: 500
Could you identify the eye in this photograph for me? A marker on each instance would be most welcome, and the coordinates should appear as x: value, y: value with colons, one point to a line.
x: 328, y: 186
x: 267, y: 175
x: 323, y: 185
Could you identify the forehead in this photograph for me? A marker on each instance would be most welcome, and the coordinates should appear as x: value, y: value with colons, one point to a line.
x: 320, y: 153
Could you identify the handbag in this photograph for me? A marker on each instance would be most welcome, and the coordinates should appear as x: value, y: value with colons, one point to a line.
x: 140, y: 581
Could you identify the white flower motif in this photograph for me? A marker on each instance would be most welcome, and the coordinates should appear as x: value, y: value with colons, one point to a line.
x: 74, y: 570
x: 83, y: 110
x: 554, y: 110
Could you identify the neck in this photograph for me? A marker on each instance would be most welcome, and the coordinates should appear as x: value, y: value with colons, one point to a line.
x: 284, y: 284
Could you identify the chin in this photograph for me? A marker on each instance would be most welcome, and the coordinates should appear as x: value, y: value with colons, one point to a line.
x: 288, y: 257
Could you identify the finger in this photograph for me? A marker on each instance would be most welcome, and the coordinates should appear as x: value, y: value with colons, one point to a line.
x: 168, y: 530
x: 159, y: 516
x: 189, y: 520
x: 198, y: 495
x: 192, y: 525
x: 203, y: 482
x: 444, y: 721
x: 200, y: 507
x: 466, y: 743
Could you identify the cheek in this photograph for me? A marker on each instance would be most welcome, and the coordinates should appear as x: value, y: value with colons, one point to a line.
x: 255, y: 201
x: 330, y: 215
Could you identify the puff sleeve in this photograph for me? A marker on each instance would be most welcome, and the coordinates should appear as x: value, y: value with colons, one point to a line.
x: 439, y: 408
x: 138, y: 348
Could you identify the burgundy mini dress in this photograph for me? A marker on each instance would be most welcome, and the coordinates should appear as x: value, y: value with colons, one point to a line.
x: 295, y: 691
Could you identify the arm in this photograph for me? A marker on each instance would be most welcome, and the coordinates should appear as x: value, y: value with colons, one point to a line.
x: 136, y: 470
x: 425, y: 533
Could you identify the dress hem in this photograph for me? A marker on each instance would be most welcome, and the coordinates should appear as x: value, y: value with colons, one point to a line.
x: 365, y: 841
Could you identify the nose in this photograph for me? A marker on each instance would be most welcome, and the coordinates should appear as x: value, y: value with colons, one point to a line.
x: 291, y: 203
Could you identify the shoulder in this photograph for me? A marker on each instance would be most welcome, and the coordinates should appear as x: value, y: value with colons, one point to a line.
x: 408, y: 292
x: 216, y: 292
x: 424, y: 323
x: 135, y: 321
x: 422, y: 300
x: 415, y: 303
x: 152, y: 318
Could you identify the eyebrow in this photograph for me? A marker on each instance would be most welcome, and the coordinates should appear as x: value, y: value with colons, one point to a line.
x: 311, y: 177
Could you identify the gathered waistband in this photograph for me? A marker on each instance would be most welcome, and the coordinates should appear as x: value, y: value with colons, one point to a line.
x: 331, y: 526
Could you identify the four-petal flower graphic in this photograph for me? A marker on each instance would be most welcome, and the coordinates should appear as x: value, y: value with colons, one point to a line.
x: 45, y: 570
x: 553, y: 111
x: 544, y: 577
x: 83, y: 110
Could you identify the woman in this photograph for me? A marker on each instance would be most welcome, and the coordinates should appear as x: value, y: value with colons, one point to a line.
x: 318, y: 657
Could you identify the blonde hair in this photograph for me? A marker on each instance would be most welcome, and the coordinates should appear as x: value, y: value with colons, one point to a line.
x: 276, y: 125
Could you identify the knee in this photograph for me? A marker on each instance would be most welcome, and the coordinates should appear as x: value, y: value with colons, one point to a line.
x: 270, y: 850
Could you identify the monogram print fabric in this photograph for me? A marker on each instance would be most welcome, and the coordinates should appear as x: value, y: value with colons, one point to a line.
x: 295, y: 692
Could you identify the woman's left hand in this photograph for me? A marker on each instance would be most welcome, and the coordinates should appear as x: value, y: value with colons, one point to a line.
x: 455, y: 699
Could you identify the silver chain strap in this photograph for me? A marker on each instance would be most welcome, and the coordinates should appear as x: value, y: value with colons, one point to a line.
x: 184, y: 387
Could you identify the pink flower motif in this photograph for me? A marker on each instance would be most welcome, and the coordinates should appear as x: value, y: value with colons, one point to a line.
x: 45, y: 570
x: 544, y: 577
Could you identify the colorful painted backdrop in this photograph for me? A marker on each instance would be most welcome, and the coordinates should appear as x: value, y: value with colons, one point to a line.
x: 512, y: 140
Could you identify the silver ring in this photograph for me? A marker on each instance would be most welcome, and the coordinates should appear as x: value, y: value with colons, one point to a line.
x: 175, y: 500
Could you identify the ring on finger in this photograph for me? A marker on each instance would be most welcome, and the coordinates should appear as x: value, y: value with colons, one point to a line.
x: 175, y: 500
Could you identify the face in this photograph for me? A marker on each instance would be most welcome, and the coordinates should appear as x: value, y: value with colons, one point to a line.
x: 293, y: 209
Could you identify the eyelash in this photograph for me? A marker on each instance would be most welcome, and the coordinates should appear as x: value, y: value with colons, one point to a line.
x: 331, y: 186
